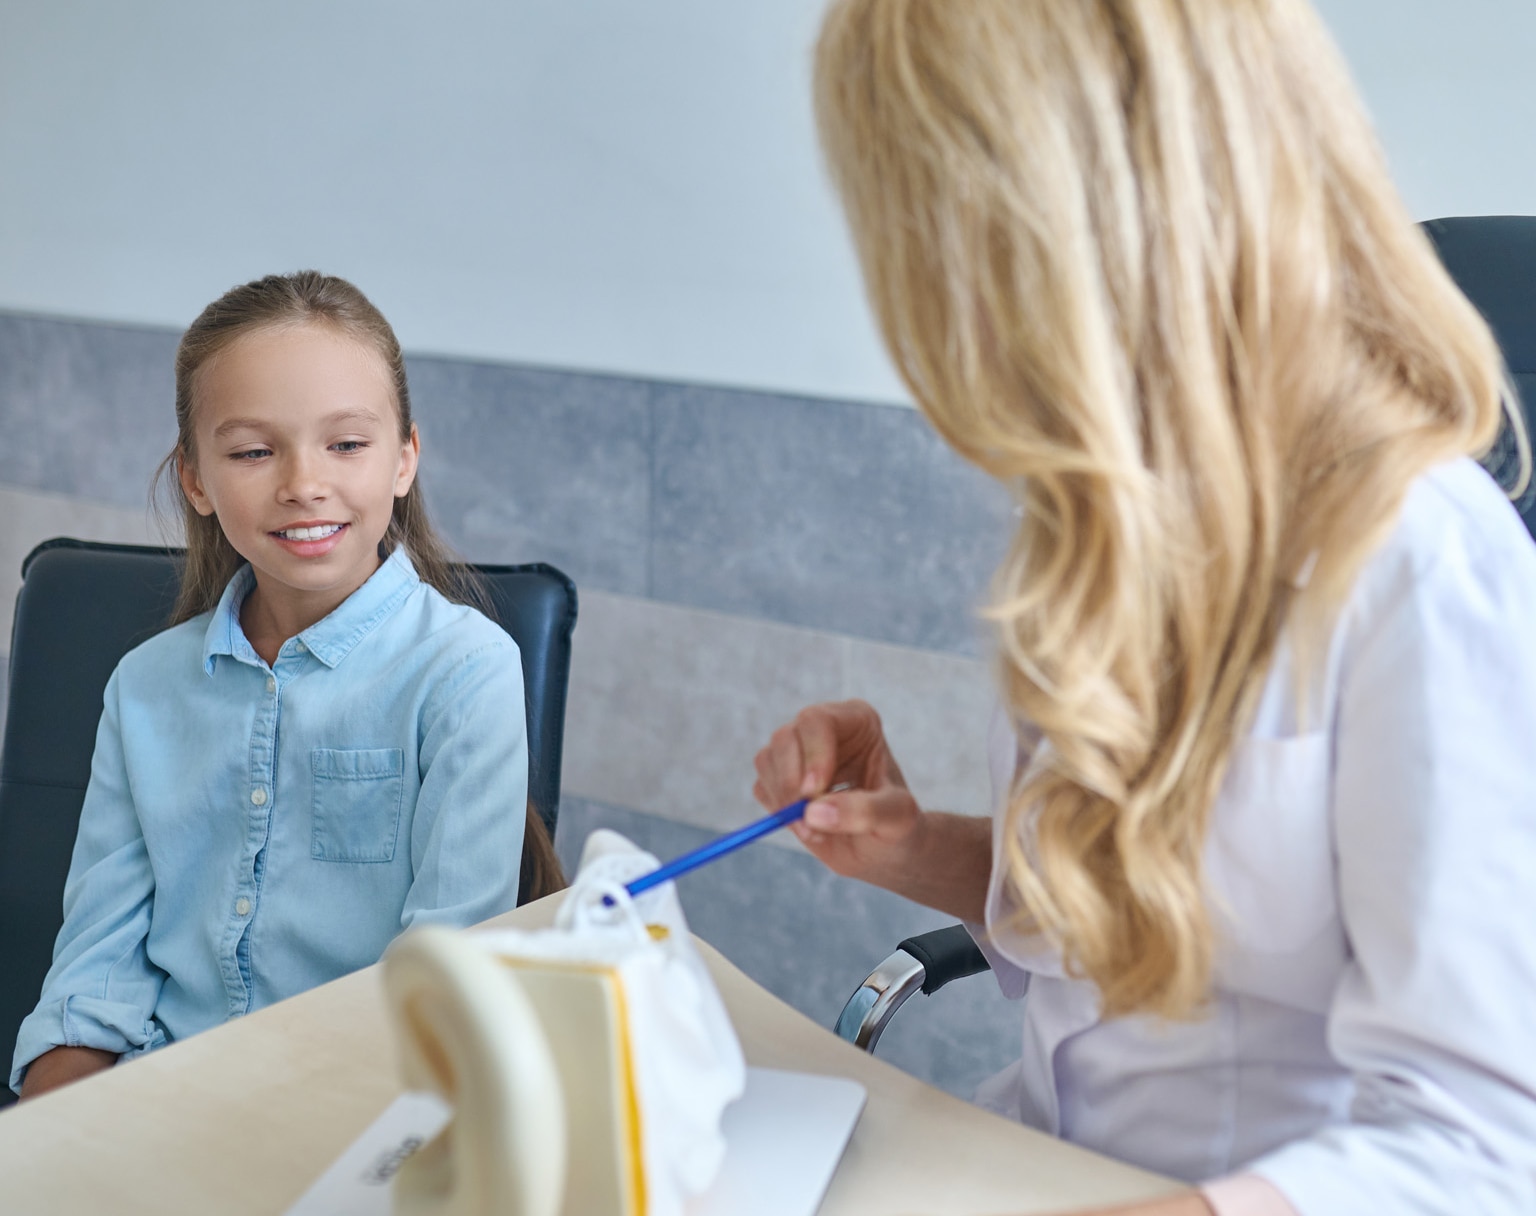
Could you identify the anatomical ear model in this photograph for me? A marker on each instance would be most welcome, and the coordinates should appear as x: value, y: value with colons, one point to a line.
x: 587, y: 1064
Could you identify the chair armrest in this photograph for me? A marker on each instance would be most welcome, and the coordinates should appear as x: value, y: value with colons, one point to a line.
x: 924, y: 963
x: 946, y: 954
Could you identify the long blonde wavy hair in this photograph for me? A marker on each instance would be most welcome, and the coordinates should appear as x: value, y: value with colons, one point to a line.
x: 1141, y: 261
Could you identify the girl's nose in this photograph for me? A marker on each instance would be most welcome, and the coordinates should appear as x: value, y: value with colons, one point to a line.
x: 302, y: 480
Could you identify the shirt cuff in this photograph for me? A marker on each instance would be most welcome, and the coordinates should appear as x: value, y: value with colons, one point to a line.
x: 1012, y: 979
x: 82, y: 1021
x: 1246, y: 1195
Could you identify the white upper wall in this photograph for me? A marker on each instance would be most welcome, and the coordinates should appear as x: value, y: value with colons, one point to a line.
x: 599, y: 184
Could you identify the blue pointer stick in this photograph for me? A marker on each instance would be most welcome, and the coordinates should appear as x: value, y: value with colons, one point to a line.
x: 718, y: 847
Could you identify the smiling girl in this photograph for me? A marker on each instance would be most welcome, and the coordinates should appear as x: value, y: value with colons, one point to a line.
x: 327, y: 747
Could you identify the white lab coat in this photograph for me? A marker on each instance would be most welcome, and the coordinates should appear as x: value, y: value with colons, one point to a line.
x: 1370, y: 1046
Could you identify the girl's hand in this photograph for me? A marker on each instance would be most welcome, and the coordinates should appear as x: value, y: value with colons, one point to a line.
x: 866, y: 830
x: 61, y: 1066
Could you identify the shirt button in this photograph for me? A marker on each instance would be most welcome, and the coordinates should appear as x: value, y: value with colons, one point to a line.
x: 271, y: 684
x: 298, y: 647
x: 242, y: 906
x: 259, y: 796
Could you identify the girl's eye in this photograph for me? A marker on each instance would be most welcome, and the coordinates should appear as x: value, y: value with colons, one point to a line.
x: 250, y: 454
x: 349, y: 445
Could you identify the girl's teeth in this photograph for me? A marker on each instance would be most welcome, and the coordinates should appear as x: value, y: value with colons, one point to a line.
x: 310, y: 533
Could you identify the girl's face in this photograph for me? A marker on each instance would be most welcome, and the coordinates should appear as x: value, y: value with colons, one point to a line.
x: 298, y: 454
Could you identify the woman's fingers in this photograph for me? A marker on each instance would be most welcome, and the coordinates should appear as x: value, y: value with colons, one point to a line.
x: 827, y: 749
x: 780, y: 769
x: 861, y: 820
x: 886, y: 813
x: 801, y: 757
x: 823, y: 736
x: 862, y: 834
x: 861, y: 817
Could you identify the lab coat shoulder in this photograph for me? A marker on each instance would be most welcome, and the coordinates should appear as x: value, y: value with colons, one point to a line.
x: 1433, y: 814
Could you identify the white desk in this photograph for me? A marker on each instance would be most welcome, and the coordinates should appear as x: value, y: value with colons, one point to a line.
x: 243, y: 1118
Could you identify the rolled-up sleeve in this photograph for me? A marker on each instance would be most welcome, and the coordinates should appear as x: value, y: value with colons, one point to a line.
x: 1435, y: 837
x: 102, y: 988
x: 467, y: 834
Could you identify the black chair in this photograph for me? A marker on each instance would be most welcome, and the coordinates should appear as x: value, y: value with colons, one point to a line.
x: 1492, y: 258
x: 82, y: 606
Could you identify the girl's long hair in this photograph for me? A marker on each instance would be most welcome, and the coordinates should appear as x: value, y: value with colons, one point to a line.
x: 304, y: 298
x: 541, y: 873
x: 1141, y: 261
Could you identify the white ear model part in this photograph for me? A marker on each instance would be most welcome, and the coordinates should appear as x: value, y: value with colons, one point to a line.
x: 468, y: 1032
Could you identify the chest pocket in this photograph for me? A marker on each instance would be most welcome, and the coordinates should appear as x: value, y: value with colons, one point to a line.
x: 357, y: 796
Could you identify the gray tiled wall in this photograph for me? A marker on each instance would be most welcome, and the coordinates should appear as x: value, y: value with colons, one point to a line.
x: 519, y: 462
x: 847, y: 517
x: 85, y: 408
x: 840, y: 516
x: 835, y: 515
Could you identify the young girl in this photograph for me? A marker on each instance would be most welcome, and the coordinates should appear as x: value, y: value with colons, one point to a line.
x: 327, y: 747
x: 1266, y: 853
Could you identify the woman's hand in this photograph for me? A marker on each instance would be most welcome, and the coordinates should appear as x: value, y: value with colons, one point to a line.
x: 863, y: 830
x: 873, y: 829
x: 61, y: 1066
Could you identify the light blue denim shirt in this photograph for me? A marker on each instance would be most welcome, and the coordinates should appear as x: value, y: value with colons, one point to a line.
x: 250, y: 832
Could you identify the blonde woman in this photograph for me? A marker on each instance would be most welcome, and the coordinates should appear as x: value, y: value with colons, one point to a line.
x: 1266, y: 848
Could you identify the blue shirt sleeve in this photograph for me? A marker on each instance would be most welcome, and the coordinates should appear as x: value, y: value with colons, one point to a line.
x: 102, y: 988
x: 467, y: 834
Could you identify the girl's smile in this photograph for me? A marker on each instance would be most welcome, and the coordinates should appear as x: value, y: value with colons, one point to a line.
x: 310, y: 539
x: 298, y: 454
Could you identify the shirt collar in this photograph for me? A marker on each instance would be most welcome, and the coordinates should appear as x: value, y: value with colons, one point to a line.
x: 329, y: 639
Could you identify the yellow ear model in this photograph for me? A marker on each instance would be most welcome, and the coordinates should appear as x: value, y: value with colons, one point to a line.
x: 467, y: 1031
